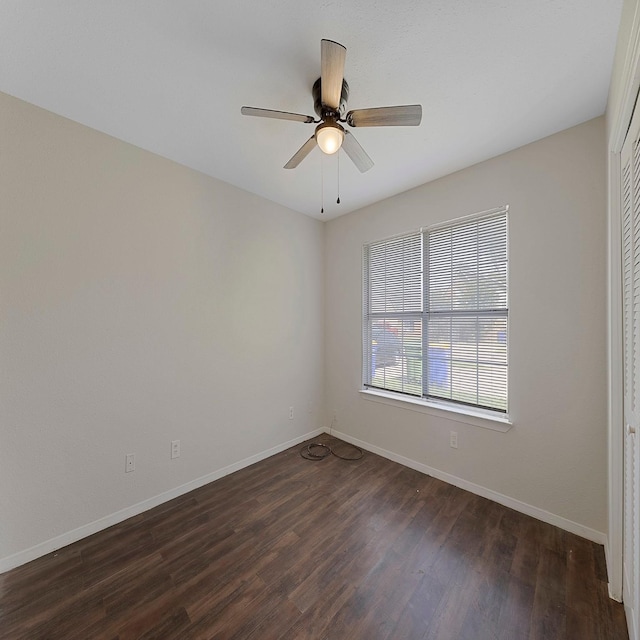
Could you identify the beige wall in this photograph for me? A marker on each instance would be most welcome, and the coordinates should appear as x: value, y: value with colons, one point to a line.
x: 140, y: 302
x: 554, y: 457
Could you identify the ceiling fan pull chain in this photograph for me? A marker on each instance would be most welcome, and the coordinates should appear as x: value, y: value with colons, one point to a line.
x: 321, y: 184
x: 338, y: 200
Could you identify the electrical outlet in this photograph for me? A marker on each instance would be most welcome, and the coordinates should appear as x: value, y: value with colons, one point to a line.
x: 130, y: 463
x: 290, y: 413
x: 453, y: 439
x: 175, y: 449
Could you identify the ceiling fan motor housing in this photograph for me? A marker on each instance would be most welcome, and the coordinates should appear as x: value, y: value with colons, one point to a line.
x: 322, y: 110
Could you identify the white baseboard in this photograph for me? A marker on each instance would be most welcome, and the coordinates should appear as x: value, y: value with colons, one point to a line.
x: 42, y: 549
x: 512, y: 503
x: 37, y: 551
x: 615, y: 593
x: 628, y: 608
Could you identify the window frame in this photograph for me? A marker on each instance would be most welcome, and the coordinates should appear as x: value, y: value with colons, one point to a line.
x: 490, y: 417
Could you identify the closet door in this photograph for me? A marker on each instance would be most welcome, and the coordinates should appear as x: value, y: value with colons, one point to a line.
x: 630, y: 195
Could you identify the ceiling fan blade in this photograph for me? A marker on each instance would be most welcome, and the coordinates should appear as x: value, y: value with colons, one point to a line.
x: 409, y: 115
x: 279, y: 115
x: 357, y: 154
x: 301, y: 153
x: 332, y: 57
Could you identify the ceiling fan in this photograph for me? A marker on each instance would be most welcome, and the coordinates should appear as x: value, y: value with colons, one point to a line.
x: 330, y: 94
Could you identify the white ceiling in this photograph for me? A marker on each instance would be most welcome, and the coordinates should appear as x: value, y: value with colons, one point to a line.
x: 171, y: 76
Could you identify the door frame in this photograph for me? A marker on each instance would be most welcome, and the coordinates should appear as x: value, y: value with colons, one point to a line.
x: 614, y: 546
x: 619, y: 121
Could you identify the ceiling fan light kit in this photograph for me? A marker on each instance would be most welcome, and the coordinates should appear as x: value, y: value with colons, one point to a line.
x: 330, y: 94
x: 329, y: 136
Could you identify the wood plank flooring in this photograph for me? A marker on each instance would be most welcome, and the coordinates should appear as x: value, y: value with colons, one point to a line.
x: 295, y: 549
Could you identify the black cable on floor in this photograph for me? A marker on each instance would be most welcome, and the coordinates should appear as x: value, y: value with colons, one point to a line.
x: 318, y: 451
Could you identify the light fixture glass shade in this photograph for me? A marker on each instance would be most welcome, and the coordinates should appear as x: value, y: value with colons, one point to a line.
x: 329, y: 137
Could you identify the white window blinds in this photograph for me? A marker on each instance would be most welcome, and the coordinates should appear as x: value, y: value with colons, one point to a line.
x: 393, y: 305
x: 435, y: 312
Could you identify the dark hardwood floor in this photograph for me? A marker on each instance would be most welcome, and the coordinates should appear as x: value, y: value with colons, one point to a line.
x: 295, y: 549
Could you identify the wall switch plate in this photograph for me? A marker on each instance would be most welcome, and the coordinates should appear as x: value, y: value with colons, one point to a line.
x: 130, y: 463
x: 453, y: 439
x: 175, y: 449
x: 290, y: 413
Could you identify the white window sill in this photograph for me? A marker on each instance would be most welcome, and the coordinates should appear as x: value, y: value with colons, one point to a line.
x: 467, y: 415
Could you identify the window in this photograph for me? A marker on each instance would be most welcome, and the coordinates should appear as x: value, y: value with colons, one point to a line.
x: 435, y: 312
